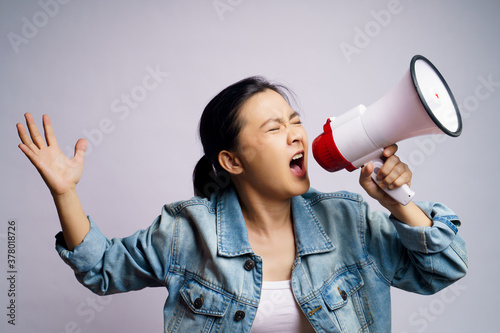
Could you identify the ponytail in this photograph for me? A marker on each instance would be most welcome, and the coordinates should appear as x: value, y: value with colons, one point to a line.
x: 206, y: 180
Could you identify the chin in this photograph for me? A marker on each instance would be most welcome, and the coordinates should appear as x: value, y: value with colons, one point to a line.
x: 302, y: 187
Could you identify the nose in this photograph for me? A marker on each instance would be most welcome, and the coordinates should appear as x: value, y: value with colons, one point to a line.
x: 295, y: 134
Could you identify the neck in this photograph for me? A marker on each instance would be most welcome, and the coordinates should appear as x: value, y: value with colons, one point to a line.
x: 264, y: 215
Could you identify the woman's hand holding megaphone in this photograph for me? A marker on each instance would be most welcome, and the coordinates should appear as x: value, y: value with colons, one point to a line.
x: 392, y: 175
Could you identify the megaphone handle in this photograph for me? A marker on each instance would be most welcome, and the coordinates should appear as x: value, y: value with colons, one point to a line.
x: 402, y: 194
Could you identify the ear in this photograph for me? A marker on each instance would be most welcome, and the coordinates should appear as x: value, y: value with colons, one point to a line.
x: 230, y: 162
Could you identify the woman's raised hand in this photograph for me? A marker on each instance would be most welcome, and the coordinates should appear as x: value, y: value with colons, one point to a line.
x: 60, y: 173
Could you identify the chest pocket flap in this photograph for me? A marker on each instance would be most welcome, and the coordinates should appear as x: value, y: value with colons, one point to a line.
x: 346, y: 283
x: 204, y: 300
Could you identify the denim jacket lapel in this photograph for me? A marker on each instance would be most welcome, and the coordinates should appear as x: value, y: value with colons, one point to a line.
x: 310, y: 237
x: 232, y: 235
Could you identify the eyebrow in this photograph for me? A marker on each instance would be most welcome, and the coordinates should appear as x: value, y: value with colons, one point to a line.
x: 280, y: 119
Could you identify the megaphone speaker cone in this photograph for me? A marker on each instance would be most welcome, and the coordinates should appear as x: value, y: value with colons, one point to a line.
x: 435, y: 96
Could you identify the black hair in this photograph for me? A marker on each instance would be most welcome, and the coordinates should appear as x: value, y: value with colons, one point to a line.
x: 219, y: 128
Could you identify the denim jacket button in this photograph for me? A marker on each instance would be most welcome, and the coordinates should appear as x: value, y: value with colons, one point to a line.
x: 343, y: 294
x: 198, y: 303
x: 249, y: 264
x: 239, y: 315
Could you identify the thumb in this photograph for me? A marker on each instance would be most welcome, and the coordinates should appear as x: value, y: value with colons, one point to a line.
x: 365, y: 176
x: 80, y: 148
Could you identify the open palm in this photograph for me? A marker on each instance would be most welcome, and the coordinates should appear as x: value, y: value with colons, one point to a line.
x: 59, y: 172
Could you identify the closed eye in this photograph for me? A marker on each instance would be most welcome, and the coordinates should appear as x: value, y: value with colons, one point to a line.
x: 295, y: 119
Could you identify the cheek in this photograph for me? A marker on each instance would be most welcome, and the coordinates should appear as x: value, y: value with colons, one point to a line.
x: 261, y: 160
x: 254, y: 149
x: 249, y: 153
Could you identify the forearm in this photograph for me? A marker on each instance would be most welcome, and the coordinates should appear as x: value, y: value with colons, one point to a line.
x: 74, y: 222
x: 410, y: 214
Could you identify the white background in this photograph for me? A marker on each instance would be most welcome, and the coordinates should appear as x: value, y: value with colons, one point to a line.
x: 76, y: 60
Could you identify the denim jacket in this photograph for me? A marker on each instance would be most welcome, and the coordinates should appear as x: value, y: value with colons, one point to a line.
x: 347, y: 259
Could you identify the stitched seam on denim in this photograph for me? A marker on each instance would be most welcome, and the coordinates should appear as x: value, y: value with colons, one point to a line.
x: 447, y: 220
x: 368, y: 259
x: 237, y: 253
x: 459, y: 253
x: 218, y: 221
x: 172, y: 264
x: 209, y: 323
x: 359, y: 307
x: 334, y: 195
x: 176, y: 208
x: 177, y: 321
x: 175, y: 242
x: 366, y: 306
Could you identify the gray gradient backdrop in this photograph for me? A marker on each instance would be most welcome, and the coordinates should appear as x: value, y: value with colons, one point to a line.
x: 79, y: 60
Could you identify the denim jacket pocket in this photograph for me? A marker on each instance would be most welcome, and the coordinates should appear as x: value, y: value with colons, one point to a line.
x: 204, y: 300
x: 201, y: 309
x: 345, y: 296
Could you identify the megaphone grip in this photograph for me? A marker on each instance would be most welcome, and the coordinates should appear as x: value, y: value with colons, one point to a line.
x: 402, y: 194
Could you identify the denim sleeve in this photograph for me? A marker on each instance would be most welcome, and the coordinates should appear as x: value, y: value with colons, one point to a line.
x: 121, y: 264
x: 418, y: 259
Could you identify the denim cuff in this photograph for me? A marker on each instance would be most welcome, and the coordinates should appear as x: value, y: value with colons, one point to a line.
x: 429, y: 239
x: 86, y: 255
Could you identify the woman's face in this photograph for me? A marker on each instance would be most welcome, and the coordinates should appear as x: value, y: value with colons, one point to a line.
x: 272, y: 146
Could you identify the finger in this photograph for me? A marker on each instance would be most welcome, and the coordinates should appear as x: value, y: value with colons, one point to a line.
x: 390, y: 171
x: 25, y: 138
x: 365, y: 174
x: 389, y: 164
x: 399, y: 175
x: 29, y: 153
x: 35, y: 135
x: 80, y: 148
x: 49, y: 132
x: 391, y: 150
x: 404, y: 178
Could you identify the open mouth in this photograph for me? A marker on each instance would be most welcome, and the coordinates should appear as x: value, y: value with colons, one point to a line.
x: 297, y: 165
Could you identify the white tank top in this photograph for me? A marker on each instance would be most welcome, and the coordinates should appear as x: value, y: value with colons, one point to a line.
x: 278, y: 311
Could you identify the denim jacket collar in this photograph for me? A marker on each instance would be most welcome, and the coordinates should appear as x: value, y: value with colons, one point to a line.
x: 232, y: 235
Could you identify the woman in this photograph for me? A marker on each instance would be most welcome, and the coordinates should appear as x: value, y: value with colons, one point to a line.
x: 258, y: 250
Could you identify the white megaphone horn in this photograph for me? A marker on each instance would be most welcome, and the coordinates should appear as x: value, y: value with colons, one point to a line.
x: 420, y: 104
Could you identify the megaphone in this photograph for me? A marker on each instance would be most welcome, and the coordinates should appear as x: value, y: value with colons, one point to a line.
x: 420, y: 104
